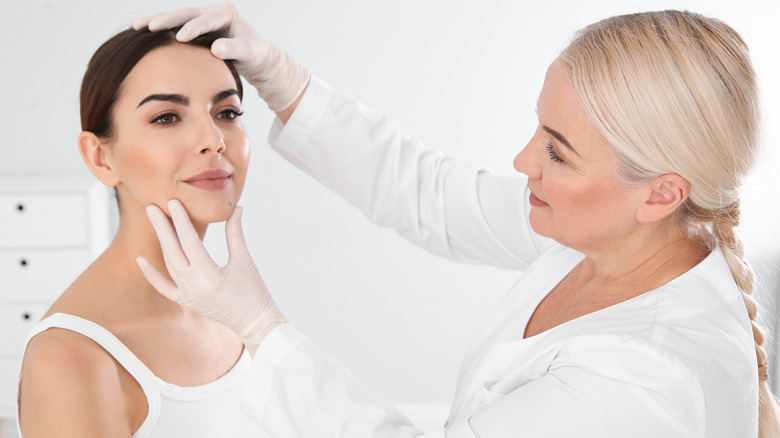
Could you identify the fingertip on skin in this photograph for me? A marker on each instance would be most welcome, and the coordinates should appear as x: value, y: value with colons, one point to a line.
x: 179, y: 215
x: 152, y: 211
x: 175, y: 205
x: 155, y: 278
x: 235, y: 218
x: 143, y: 264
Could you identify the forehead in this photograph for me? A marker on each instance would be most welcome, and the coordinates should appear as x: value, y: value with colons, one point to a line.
x: 557, y: 96
x: 559, y: 109
x: 178, y: 68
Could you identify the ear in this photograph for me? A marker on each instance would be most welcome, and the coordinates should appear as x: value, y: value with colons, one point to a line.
x: 93, y: 151
x: 666, y: 193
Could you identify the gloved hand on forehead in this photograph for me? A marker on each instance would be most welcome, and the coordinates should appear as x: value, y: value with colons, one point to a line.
x: 278, y: 77
x: 233, y: 295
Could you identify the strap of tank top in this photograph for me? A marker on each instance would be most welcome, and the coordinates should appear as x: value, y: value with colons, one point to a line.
x: 113, y: 346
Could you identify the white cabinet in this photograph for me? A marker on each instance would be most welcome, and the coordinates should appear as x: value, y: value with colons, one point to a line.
x: 51, y: 228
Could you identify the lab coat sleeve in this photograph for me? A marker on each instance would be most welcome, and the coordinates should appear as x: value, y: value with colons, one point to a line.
x: 448, y: 207
x: 606, y: 386
x: 598, y: 386
x: 295, y: 390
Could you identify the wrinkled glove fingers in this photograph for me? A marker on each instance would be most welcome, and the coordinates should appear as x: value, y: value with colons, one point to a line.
x: 142, y: 23
x: 233, y: 48
x: 214, y: 19
x: 175, y: 259
x: 173, y: 19
x: 234, y: 235
x: 167, y: 20
x: 188, y: 238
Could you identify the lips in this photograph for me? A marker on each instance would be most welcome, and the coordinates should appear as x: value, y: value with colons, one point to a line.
x: 536, y: 202
x: 216, y: 179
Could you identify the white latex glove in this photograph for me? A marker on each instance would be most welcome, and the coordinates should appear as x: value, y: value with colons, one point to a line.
x: 233, y: 295
x: 279, y: 79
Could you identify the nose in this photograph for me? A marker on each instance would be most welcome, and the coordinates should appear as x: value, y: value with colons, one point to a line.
x: 220, y: 147
x: 210, y: 139
x: 527, y: 162
x: 217, y: 146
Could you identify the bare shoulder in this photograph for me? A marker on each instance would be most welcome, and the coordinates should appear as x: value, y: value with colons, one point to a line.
x: 70, y: 386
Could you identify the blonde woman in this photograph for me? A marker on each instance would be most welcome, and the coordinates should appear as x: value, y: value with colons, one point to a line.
x: 634, y: 314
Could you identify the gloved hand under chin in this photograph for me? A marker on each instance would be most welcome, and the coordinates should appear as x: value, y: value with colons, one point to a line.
x: 279, y: 79
x: 233, y: 295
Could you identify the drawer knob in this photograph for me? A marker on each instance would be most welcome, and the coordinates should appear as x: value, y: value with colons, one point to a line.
x: 20, y: 207
x: 26, y: 316
x: 23, y: 263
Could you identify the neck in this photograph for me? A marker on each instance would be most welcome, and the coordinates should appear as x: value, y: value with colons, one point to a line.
x: 136, y: 237
x: 641, y: 263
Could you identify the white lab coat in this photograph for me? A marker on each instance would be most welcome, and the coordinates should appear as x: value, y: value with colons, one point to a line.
x: 678, y: 361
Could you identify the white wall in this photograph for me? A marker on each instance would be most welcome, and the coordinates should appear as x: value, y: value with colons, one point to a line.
x: 461, y: 75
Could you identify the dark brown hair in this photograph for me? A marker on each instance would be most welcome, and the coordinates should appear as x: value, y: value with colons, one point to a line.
x: 111, y: 64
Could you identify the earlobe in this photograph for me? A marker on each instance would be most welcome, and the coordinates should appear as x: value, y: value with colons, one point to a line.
x: 667, y: 193
x: 95, y: 157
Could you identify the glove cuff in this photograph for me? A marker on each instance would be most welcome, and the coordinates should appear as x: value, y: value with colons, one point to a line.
x: 255, y: 332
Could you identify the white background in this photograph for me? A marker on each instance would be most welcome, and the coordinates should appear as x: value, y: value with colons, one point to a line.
x: 461, y: 75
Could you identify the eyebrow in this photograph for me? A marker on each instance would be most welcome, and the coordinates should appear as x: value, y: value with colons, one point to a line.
x: 222, y: 95
x: 558, y: 136
x: 184, y: 100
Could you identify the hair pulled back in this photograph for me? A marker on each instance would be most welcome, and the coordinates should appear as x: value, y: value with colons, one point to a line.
x: 111, y: 64
x: 675, y: 92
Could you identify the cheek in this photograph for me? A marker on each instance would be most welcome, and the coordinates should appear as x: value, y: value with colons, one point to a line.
x: 146, y: 167
x: 574, y: 198
x: 564, y: 191
x: 238, y: 154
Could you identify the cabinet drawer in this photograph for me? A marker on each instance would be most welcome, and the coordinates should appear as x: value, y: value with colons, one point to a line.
x: 9, y: 377
x: 39, y: 275
x: 43, y: 220
x: 15, y: 323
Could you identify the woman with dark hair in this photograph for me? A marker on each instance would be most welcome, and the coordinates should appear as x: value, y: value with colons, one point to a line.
x: 160, y: 119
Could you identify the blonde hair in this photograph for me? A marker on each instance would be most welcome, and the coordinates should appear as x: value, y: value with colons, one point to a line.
x: 675, y: 92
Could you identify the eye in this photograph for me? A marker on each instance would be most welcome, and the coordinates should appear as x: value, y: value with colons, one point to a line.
x: 230, y: 114
x: 552, y: 154
x: 166, y: 119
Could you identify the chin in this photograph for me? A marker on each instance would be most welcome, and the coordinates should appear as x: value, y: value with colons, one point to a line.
x: 539, y: 226
x: 211, y: 212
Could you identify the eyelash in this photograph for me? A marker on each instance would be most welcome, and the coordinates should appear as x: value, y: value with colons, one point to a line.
x: 233, y: 112
x: 158, y: 119
x: 233, y: 115
x: 552, y: 154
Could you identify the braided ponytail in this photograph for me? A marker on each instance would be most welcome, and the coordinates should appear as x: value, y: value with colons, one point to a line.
x: 723, y: 223
x: 675, y: 92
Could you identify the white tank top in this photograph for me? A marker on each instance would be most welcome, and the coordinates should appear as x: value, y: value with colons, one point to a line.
x: 212, y: 410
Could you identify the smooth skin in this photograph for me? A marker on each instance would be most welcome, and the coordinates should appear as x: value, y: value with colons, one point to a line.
x: 70, y: 385
x: 630, y: 242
